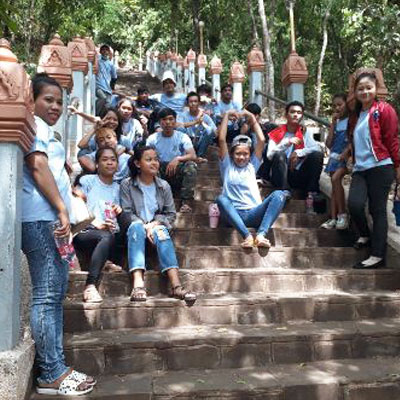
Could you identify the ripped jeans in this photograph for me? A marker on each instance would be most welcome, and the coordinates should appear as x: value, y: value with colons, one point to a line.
x: 137, y: 246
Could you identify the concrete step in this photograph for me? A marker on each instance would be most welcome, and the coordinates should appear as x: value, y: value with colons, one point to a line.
x: 287, y: 237
x: 285, y: 220
x: 247, y: 280
x: 201, y: 206
x: 347, y: 379
x: 231, y: 309
x: 213, y: 347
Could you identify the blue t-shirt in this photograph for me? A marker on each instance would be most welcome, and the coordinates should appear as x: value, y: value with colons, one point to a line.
x: 149, y: 201
x: 198, y: 130
x: 169, y: 147
x: 176, y: 102
x: 123, y: 169
x: 104, y: 75
x: 240, y: 183
x: 98, y: 193
x: 35, y: 206
x: 132, y: 131
x: 221, y: 108
x: 363, y: 150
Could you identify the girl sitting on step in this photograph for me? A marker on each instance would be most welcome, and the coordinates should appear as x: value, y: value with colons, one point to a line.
x: 240, y: 203
x: 132, y: 128
x: 337, y: 144
x: 149, y: 211
x: 101, y: 194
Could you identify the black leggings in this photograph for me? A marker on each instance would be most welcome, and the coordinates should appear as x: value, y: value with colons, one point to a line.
x: 372, y: 184
x: 99, y: 242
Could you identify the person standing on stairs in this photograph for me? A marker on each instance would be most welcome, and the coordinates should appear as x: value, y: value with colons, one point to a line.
x: 45, y: 194
x: 240, y: 203
x: 296, y: 158
x: 337, y: 142
x: 177, y: 158
x: 197, y: 125
x: 373, y: 136
x: 149, y: 212
x: 101, y: 195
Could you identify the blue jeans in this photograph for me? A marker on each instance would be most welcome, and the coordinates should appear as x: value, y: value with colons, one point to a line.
x: 261, y: 217
x: 137, y: 247
x: 49, y: 276
x: 203, y: 142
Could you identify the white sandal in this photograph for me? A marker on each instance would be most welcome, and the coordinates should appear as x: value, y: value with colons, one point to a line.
x: 80, y: 375
x: 68, y: 387
x: 91, y: 295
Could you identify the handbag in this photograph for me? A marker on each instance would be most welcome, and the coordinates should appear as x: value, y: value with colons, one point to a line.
x: 80, y: 216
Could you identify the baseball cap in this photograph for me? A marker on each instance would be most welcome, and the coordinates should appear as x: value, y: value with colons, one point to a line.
x: 242, y: 140
x: 168, y: 75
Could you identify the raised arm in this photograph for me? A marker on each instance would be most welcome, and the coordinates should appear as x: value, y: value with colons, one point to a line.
x: 223, y: 130
x: 256, y: 128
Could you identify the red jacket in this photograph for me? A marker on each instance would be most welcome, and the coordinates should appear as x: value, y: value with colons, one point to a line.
x: 383, y: 128
x: 279, y: 133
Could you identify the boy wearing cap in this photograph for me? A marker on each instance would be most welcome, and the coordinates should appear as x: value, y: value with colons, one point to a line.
x: 296, y: 158
x: 177, y: 157
x: 169, y: 98
x: 106, y: 76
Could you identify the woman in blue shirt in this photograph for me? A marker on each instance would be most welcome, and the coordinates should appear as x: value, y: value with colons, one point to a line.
x: 46, y: 190
x: 240, y: 202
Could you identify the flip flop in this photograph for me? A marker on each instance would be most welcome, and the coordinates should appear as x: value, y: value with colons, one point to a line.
x: 68, y: 387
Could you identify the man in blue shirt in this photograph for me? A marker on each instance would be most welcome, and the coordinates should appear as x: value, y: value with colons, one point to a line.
x: 105, y: 79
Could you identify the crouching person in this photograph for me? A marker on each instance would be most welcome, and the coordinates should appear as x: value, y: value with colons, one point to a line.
x: 148, y: 206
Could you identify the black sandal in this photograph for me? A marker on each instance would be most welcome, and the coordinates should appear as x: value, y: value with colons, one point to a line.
x: 180, y: 293
x: 139, y: 294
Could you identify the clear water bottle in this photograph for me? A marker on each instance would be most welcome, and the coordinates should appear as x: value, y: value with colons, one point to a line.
x: 64, y: 245
x: 109, y: 213
x: 310, y: 204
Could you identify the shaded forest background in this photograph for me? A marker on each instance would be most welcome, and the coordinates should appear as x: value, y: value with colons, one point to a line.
x: 357, y: 33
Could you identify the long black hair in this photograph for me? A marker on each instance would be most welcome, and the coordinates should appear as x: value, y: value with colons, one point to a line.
x: 39, y: 81
x: 118, y: 130
x: 138, y: 152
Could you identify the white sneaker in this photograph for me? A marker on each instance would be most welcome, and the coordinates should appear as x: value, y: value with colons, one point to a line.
x: 330, y: 224
x: 342, y: 222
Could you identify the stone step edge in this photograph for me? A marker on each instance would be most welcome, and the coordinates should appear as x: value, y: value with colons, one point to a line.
x: 321, y: 380
x: 228, y: 335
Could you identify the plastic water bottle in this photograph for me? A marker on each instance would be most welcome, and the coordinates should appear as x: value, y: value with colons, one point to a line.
x: 310, y: 204
x: 109, y: 213
x: 64, y: 245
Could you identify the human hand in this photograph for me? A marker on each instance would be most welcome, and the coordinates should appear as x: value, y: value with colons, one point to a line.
x: 65, y: 228
x: 116, y: 209
x: 398, y: 175
x: 295, y: 140
x: 171, y: 167
x: 72, y: 110
x: 293, y: 161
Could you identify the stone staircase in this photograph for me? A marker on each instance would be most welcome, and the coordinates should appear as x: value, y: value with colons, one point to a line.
x: 292, y: 323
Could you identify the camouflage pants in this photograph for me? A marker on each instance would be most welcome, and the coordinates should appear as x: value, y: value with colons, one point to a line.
x: 184, y: 180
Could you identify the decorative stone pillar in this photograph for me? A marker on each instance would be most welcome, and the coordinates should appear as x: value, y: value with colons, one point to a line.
x: 185, y: 75
x: 179, y: 74
x: 174, y: 58
x: 148, y: 62
x: 55, y: 60
x: 255, y: 68
x: 237, y: 77
x: 91, y: 88
x: 202, y: 64
x: 78, y: 51
x: 162, y: 60
x: 215, y: 70
x: 156, y: 64
x: 169, y: 60
x: 381, y: 89
x: 191, y: 56
x: 116, y: 59
x: 17, y: 131
x: 294, y: 76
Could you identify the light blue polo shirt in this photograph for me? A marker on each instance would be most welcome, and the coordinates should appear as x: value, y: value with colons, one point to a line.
x: 169, y: 147
x: 35, y: 206
x: 176, y: 102
x: 104, y: 75
x: 198, y: 130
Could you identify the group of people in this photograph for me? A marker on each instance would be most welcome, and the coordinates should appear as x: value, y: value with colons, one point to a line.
x: 143, y: 155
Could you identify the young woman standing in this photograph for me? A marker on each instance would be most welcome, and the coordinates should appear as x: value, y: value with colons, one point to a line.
x: 373, y: 130
x: 46, y: 190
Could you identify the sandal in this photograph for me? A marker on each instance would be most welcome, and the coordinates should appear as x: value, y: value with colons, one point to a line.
x: 69, y: 386
x: 262, y: 241
x: 91, y: 295
x: 185, y: 208
x: 180, y: 293
x: 201, y: 160
x: 248, y: 243
x: 90, y: 380
x: 139, y: 294
x: 111, y: 267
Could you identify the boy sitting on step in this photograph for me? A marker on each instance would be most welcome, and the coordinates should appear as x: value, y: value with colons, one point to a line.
x: 177, y: 157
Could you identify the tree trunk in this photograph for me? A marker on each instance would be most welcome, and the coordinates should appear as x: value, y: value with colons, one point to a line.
x: 253, y: 23
x: 321, y: 59
x: 270, y: 70
x: 28, y: 30
x: 196, y: 4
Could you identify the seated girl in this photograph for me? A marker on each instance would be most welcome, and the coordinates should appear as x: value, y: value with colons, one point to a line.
x: 111, y: 120
x: 101, y: 194
x: 106, y: 137
x: 240, y: 203
x: 132, y: 128
x: 149, y: 209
